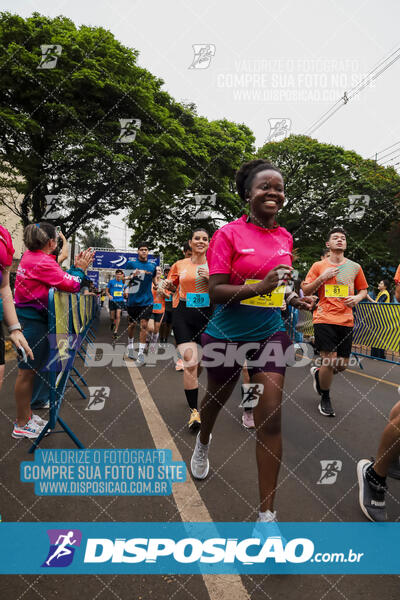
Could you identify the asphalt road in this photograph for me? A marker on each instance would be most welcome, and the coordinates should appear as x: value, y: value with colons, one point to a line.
x: 362, y: 399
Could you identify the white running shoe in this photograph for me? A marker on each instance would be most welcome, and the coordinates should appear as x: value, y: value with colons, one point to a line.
x: 31, y: 430
x: 262, y: 532
x: 140, y: 360
x: 200, y: 465
x: 131, y: 353
x: 38, y: 420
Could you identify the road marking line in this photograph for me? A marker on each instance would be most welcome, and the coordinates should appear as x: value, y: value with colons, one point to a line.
x: 396, y: 385
x: 188, y: 500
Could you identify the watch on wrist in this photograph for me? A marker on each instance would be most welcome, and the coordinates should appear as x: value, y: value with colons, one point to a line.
x: 15, y: 327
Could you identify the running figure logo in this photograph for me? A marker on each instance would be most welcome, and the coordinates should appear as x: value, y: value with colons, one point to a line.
x: 98, y: 397
x: 50, y: 54
x: 203, y: 54
x: 63, y: 543
x: 357, y: 206
x: 330, y: 471
x: 251, y: 394
x: 129, y: 129
x: 279, y: 129
x: 204, y: 202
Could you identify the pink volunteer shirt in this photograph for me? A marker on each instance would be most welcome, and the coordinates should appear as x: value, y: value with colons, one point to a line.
x: 247, y: 251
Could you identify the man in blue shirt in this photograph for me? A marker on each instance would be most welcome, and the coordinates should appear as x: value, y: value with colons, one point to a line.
x: 115, y: 293
x: 140, y: 298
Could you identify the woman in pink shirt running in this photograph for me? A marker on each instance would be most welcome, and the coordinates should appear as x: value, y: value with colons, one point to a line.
x: 249, y: 258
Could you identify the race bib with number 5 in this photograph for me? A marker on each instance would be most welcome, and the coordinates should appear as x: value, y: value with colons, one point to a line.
x: 197, y: 300
x: 273, y: 299
x: 336, y: 291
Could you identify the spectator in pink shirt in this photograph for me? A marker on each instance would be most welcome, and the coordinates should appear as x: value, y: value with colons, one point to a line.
x: 38, y: 271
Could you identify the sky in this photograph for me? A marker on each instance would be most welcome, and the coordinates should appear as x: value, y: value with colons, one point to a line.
x: 267, y: 60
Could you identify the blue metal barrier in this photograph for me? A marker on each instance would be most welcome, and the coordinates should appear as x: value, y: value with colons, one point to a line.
x: 71, y: 318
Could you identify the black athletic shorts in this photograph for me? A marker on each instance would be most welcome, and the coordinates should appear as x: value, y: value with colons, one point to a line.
x: 333, y: 338
x: 137, y: 313
x: 2, y: 345
x: 115, y: 305
x: 168, y: 313
x: 189, y: 323
x: 157, y: 317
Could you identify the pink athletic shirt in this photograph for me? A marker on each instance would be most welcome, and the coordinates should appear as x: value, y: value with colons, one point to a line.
x: 246, y: 251
x: 37, y: 273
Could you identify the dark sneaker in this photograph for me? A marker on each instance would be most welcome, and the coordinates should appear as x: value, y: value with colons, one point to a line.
x: 314, y: 374
x: 371, y: 496
x: 325, y: 407
x: 394, y: 469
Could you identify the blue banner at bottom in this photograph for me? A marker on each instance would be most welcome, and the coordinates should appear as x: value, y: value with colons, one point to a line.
x: 197, y: 548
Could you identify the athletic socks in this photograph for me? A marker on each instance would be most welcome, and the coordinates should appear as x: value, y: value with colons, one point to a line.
x: 130, y: 343
x: 154, y: 338
x: 191, y: 397
x: 325, y: 394
x: 372, y: 477
x: 141, y: 348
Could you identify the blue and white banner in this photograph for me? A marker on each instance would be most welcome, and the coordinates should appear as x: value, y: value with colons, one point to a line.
x: 104, y: 259
x: 94, y: 277
x: 192, y: 548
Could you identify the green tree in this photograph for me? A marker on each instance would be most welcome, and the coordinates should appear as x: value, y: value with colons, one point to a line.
x: 60, y: 127
x: 95, y: 237
x: 213, y: 153
x: 319, y: 178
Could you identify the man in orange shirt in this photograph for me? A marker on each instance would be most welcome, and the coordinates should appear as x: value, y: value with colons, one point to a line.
x: 397, y: 282
x: 335, y: 279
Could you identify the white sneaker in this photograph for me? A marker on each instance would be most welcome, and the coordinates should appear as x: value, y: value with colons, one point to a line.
x: 200, y: 465
x: 263, y: 532
x: 140, y: 360
x: 131, y: 353
x: 38, y: 420
x: 31, y: 430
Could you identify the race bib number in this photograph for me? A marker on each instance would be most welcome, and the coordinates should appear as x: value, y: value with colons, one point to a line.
x: 157, y: 306
x: 273, y: 299
x: 336, y: 291
x: 197, y: 300
x: 117, y: 294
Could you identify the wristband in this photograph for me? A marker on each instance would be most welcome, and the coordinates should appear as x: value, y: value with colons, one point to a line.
x: 291, y: 296
x: 15, y: 327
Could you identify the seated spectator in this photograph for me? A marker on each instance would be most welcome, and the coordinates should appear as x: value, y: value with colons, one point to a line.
x: 38, y: 271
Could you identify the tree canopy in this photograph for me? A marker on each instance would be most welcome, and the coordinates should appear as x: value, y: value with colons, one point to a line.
x: 86, y: 131
x: 95, y: 237
x: 319, y: 178
x: 64, y: 129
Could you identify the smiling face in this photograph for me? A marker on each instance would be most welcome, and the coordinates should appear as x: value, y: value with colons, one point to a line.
x: 199, y: 242
x: 337, y: 242
x: 266, y: 196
